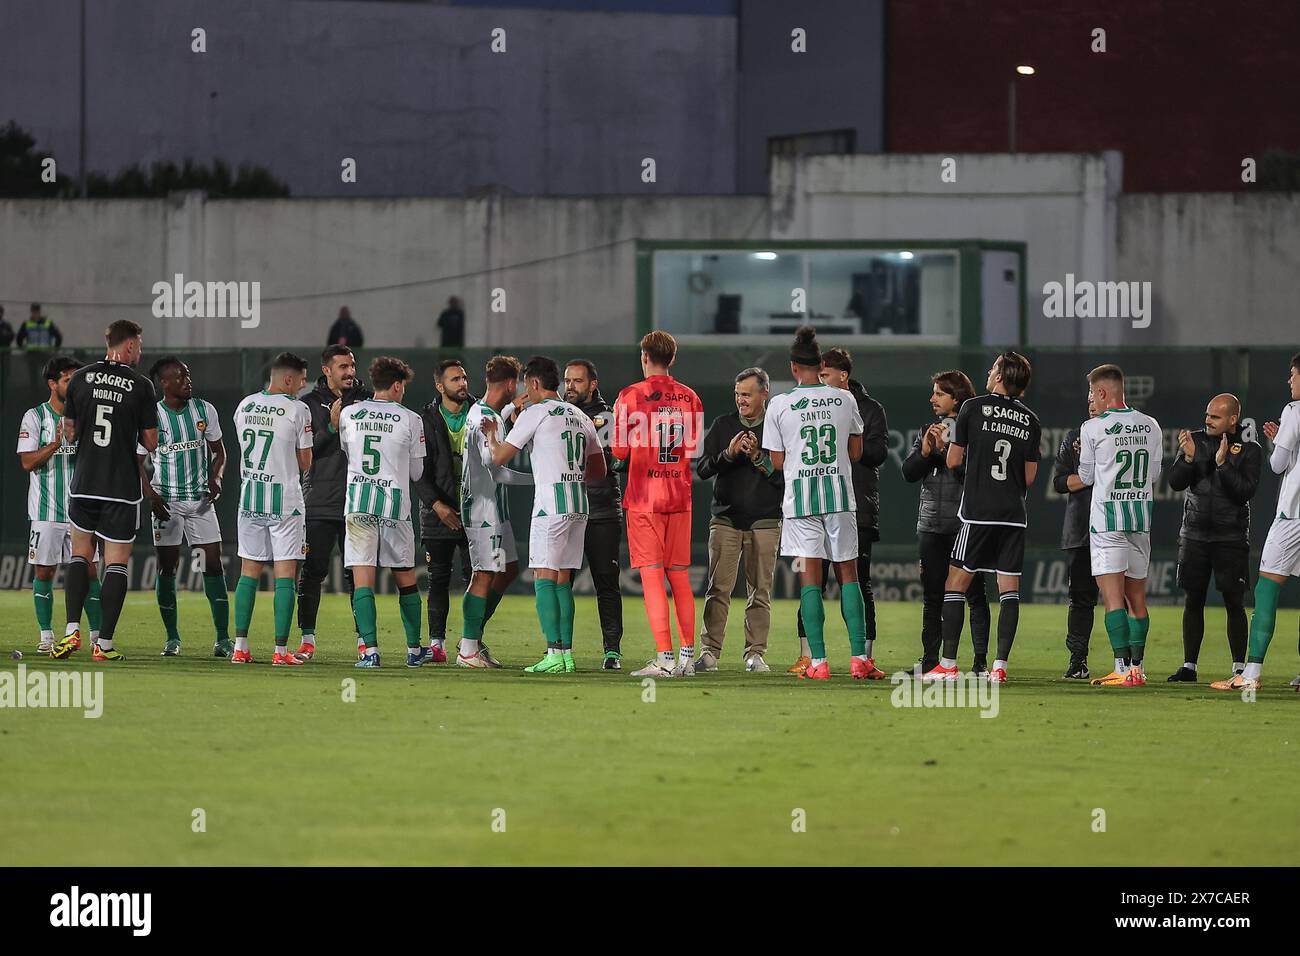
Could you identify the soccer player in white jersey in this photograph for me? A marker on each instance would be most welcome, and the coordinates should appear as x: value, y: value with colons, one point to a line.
x: 383, y: 441
x: 275, y: 440
x: 1120, y: 455
x: 812, y: 434
x: 566, y: 453
x: 1280, y: 558
x: 485, y: 512
x: 49, y: 460
x: 187, y: 468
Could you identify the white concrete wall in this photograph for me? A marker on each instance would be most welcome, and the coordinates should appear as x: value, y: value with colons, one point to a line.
x: 1061, y: 205
x: 1224, y: 267
x: 568, y: 266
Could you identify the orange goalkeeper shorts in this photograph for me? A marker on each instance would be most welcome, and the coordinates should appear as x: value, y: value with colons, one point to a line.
x: 663, y: 539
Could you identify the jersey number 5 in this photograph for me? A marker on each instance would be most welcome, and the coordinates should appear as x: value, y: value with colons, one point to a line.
x: 103, y: 426
x: 370, y: 455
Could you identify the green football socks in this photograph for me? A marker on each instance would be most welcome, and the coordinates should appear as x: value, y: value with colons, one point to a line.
x: 363, y: 606
x: 214, y: 586
x: 853, y: 608
x: 245, y: 599
x: 814, y: 619
x: 164, y: 589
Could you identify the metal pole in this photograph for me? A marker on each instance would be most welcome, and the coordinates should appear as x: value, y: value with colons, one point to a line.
x: 1011, y: 115
x: 82, y: 148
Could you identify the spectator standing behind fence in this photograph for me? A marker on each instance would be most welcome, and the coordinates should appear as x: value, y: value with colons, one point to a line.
x: 451, y: 322
x: 38, y: 332
x: 345, y: 331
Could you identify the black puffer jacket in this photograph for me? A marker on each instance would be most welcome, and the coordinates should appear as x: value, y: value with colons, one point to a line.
x: 440, y: 482
x: 604, y: 498
x: 940, y: 488
x: 1074, y: 529
x: 325, y: 484
x: 1217, y: 504
x: 866, y: 470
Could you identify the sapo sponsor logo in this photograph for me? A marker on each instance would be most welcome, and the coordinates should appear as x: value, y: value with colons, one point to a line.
x: 179, y: 299
x: 77, y: 909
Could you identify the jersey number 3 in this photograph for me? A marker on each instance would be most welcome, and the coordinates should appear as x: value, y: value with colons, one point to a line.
x: 1002, y: 451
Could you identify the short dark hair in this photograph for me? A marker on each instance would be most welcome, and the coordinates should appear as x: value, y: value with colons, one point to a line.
x: 288, y: 362
x: 501, y: 368
x: 1295, y: 361
x: 387, y: 370
x: 119, y: 331
x: 838, y: 359
x: 544, y: 370
x: 56, y: 366
x: 155, y: 370
x: 955, y: 383
x: 331, y: 352
x: 449, y: 363
x: 589, y: 365
x: 1015, y: 371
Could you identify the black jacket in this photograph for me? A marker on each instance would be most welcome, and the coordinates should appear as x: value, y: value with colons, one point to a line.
x: 605, y: 497
x: 741, y: 493
x: 1217, y: 504
x: 325, y: 484
x: 1074, y: 529
x: 348, y: 330
x: 940, y: 489
x: 866, y: 470
x: 440, y: 482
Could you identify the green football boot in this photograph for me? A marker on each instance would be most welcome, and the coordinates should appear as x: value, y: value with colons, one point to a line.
x: 550, y: 664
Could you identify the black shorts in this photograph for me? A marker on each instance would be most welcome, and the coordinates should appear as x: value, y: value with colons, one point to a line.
x: 114, y: 521
x: 995, y: 548
x: 1229, y: 562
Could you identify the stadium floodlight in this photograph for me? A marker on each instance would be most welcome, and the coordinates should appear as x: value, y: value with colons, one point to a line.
x: 765, y: 255
x: 1023, y: 69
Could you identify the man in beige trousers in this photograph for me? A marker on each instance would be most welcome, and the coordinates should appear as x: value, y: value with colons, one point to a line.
x: 746, y: 523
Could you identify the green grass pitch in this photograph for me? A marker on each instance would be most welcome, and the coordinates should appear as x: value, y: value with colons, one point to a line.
x: 713, y: 771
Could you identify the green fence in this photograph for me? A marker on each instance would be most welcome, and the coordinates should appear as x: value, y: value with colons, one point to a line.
x: 1171, y: 384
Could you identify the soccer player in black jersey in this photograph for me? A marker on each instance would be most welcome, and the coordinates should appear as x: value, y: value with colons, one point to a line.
x: 110, y: 408
x: 997, y: 438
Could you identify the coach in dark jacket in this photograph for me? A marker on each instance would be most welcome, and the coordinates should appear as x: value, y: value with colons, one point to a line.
x: 324, y: 485
x: 746, y: 522
x: 604, y: 511
x: 937, y: 523
x: 1219, y: 471
x: 1074, y: 542
x: 439, y: 491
